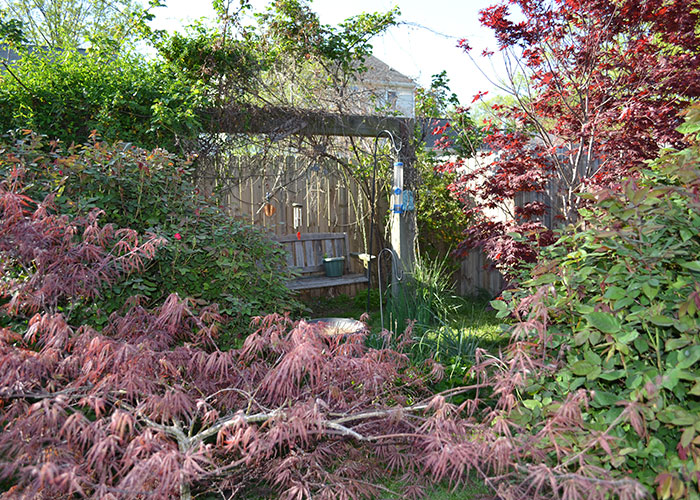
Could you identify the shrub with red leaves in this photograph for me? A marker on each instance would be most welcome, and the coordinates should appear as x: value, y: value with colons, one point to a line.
x: 598, y: 89
x: 143, y: 408
x: 51, y: 260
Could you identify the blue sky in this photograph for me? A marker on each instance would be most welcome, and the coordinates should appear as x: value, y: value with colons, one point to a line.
x: 423, y: 45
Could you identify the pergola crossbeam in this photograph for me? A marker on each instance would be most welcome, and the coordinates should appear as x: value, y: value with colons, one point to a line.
x: 282, y: 122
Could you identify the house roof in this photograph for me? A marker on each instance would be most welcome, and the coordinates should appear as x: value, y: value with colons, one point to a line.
x: 379, y: 71
x: 446, y: 132
x: 7, y: 54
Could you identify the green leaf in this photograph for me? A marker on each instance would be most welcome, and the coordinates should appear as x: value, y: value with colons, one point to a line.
x: 615, y: 293
x: 594, y: 373
x: 660, y: 320
x: 689, y: 127
x: 650, y: 291
x: 622, y: 303
x: 582, y: 367
x: 584, y: 309
x: 499, y: 305
x: 531, y: 404
x: 635, y: 381
x: 604, y: 399
x: 688, y: 357
x: 673, y: 344
x: 670, y: 378
x: 613, y: 375
x: 581, y: 337
x: 592, y: 357
x: 656, y: 448
x: 605, y: 322
x: 502, y: 314
x: 676, y: 415
x: 693, y: 265
x: 687, y: 436
x: 695, y: 391
x: 627, y: 336
x: 545, y: 279
x: 641, y: 345
x: 686, y: 234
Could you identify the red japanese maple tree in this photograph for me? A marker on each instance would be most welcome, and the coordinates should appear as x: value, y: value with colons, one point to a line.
x: 598, y: 87
x: 148, y: 407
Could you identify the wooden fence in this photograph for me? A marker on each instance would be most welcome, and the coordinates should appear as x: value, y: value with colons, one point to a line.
x: 268, y: 191
x: 265, y: 192
x: 476, y: 276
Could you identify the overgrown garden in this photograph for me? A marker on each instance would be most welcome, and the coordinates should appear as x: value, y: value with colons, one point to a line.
x: 149, y: 347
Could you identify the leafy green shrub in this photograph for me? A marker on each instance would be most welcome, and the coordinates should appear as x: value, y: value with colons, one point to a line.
x: 67, y: 94
x: 209, y: 255
x: 611, y: 315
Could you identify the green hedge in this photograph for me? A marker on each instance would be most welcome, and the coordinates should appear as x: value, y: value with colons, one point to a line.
x: 67, y: 94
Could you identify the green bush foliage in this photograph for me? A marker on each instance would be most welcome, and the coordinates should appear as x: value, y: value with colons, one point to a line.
x: 439, y: 214
x: 612, y: 311
x: 209, y: 255
x: 67, y: 94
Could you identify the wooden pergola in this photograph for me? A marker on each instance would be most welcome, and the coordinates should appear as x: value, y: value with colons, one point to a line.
x: 279, y: 123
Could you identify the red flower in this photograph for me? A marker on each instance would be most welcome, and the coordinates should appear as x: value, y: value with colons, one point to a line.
x: 178, y: 236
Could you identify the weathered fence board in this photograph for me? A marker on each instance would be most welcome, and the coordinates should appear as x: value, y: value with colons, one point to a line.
x: 329, y: 203
x: 476, y: 275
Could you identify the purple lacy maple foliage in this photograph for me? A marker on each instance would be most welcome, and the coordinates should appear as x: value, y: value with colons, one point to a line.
x: 148, y: 407
x: 49, y: 258
x: 101, y: 415
x: 142, y: 409
x: 598, y: 87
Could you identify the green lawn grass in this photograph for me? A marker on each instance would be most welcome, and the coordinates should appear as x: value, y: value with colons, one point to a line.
x: 469, y: 321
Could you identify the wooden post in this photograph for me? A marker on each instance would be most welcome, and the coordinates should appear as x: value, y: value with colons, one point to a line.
x: 403, y: 216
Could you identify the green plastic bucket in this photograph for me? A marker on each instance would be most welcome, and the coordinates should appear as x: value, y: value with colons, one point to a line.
x: 334, y: 266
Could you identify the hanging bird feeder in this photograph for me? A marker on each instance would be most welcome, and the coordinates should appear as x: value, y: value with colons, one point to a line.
x: 297, y: 215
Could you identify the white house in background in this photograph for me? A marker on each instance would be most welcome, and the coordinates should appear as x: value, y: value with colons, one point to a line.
x: 387, y: 91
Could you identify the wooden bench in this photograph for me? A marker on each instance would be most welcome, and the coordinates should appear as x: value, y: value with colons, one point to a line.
x: 306, y: 255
